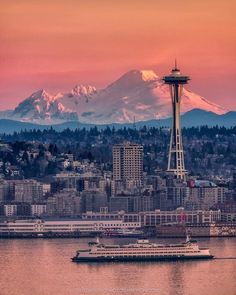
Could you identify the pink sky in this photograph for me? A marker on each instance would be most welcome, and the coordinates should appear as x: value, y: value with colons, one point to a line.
x: 55, y: 44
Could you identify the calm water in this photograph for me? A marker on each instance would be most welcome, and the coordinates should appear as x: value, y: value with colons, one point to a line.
x: 43, y: 267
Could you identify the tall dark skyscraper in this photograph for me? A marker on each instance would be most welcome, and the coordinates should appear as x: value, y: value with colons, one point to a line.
x: 176, y: 153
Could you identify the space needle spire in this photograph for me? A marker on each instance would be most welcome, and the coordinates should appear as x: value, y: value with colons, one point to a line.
x: 176, y: 153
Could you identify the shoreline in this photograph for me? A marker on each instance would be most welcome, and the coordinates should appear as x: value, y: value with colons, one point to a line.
x: 92, y: 236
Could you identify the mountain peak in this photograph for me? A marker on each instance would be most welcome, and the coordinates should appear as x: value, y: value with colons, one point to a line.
x: 138, y: 93
x: 41, y: 93
x: 134, y: 78
x: 148, y: 75
x: 140, y: 75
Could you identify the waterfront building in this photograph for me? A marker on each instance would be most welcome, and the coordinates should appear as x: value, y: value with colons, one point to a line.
x: 97, y: 183
x: 228, y: 217
x: 93, y: 200
x: 204, y: 194
x: 23, y: 209
x: 10, y: 210
x: 67, y: 181
x: 234, y: 184
x: 132, y: 203
x: 66, y: 203
x: 180, y: 216
x: 160, y: 200
x: 122, y: 202
x: 28, y: 191
x: 38, y: 209
x: 46, y: 188
x: 176, y: 196
x: 39, y: 226
x: 4, y: 190
x: 156, y: 217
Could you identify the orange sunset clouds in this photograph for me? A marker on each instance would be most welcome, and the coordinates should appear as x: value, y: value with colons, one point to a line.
x: 55, y: 44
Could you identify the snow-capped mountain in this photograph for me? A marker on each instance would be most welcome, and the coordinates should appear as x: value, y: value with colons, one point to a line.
x: 139, y: 95
x: 43, y: 107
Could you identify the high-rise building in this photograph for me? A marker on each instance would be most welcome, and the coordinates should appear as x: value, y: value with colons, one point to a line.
x: 4, y: 190
x: 234, y: 184
x: 93, y: 201
x: 204, y: 195
x: 66, y: 203
x: 68, y: 180
x: 176, y: 153
x: 128, y: 163
x: 38, y: 209
x: 28, y: 191
x: 10, y: 210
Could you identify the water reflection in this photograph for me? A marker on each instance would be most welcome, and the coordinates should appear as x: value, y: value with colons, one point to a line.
x: 43, y: 267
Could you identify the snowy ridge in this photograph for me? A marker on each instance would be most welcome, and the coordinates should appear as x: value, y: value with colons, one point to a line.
x: 137, y: 94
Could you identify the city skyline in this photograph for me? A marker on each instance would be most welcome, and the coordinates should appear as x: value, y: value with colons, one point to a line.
x: 117, y: 144
x: 55, y: 46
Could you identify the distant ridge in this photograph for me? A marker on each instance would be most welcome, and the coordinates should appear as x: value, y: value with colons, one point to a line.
x: 137, y: 93
x: 193, y: 118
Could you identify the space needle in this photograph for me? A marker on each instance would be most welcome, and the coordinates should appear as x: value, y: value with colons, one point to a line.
x: 176, y: 153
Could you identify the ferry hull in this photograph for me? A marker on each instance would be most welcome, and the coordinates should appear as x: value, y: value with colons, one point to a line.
x: 130, y: 259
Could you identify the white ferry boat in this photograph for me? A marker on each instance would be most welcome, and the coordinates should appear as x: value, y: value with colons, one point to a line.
x: 142, y: 250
